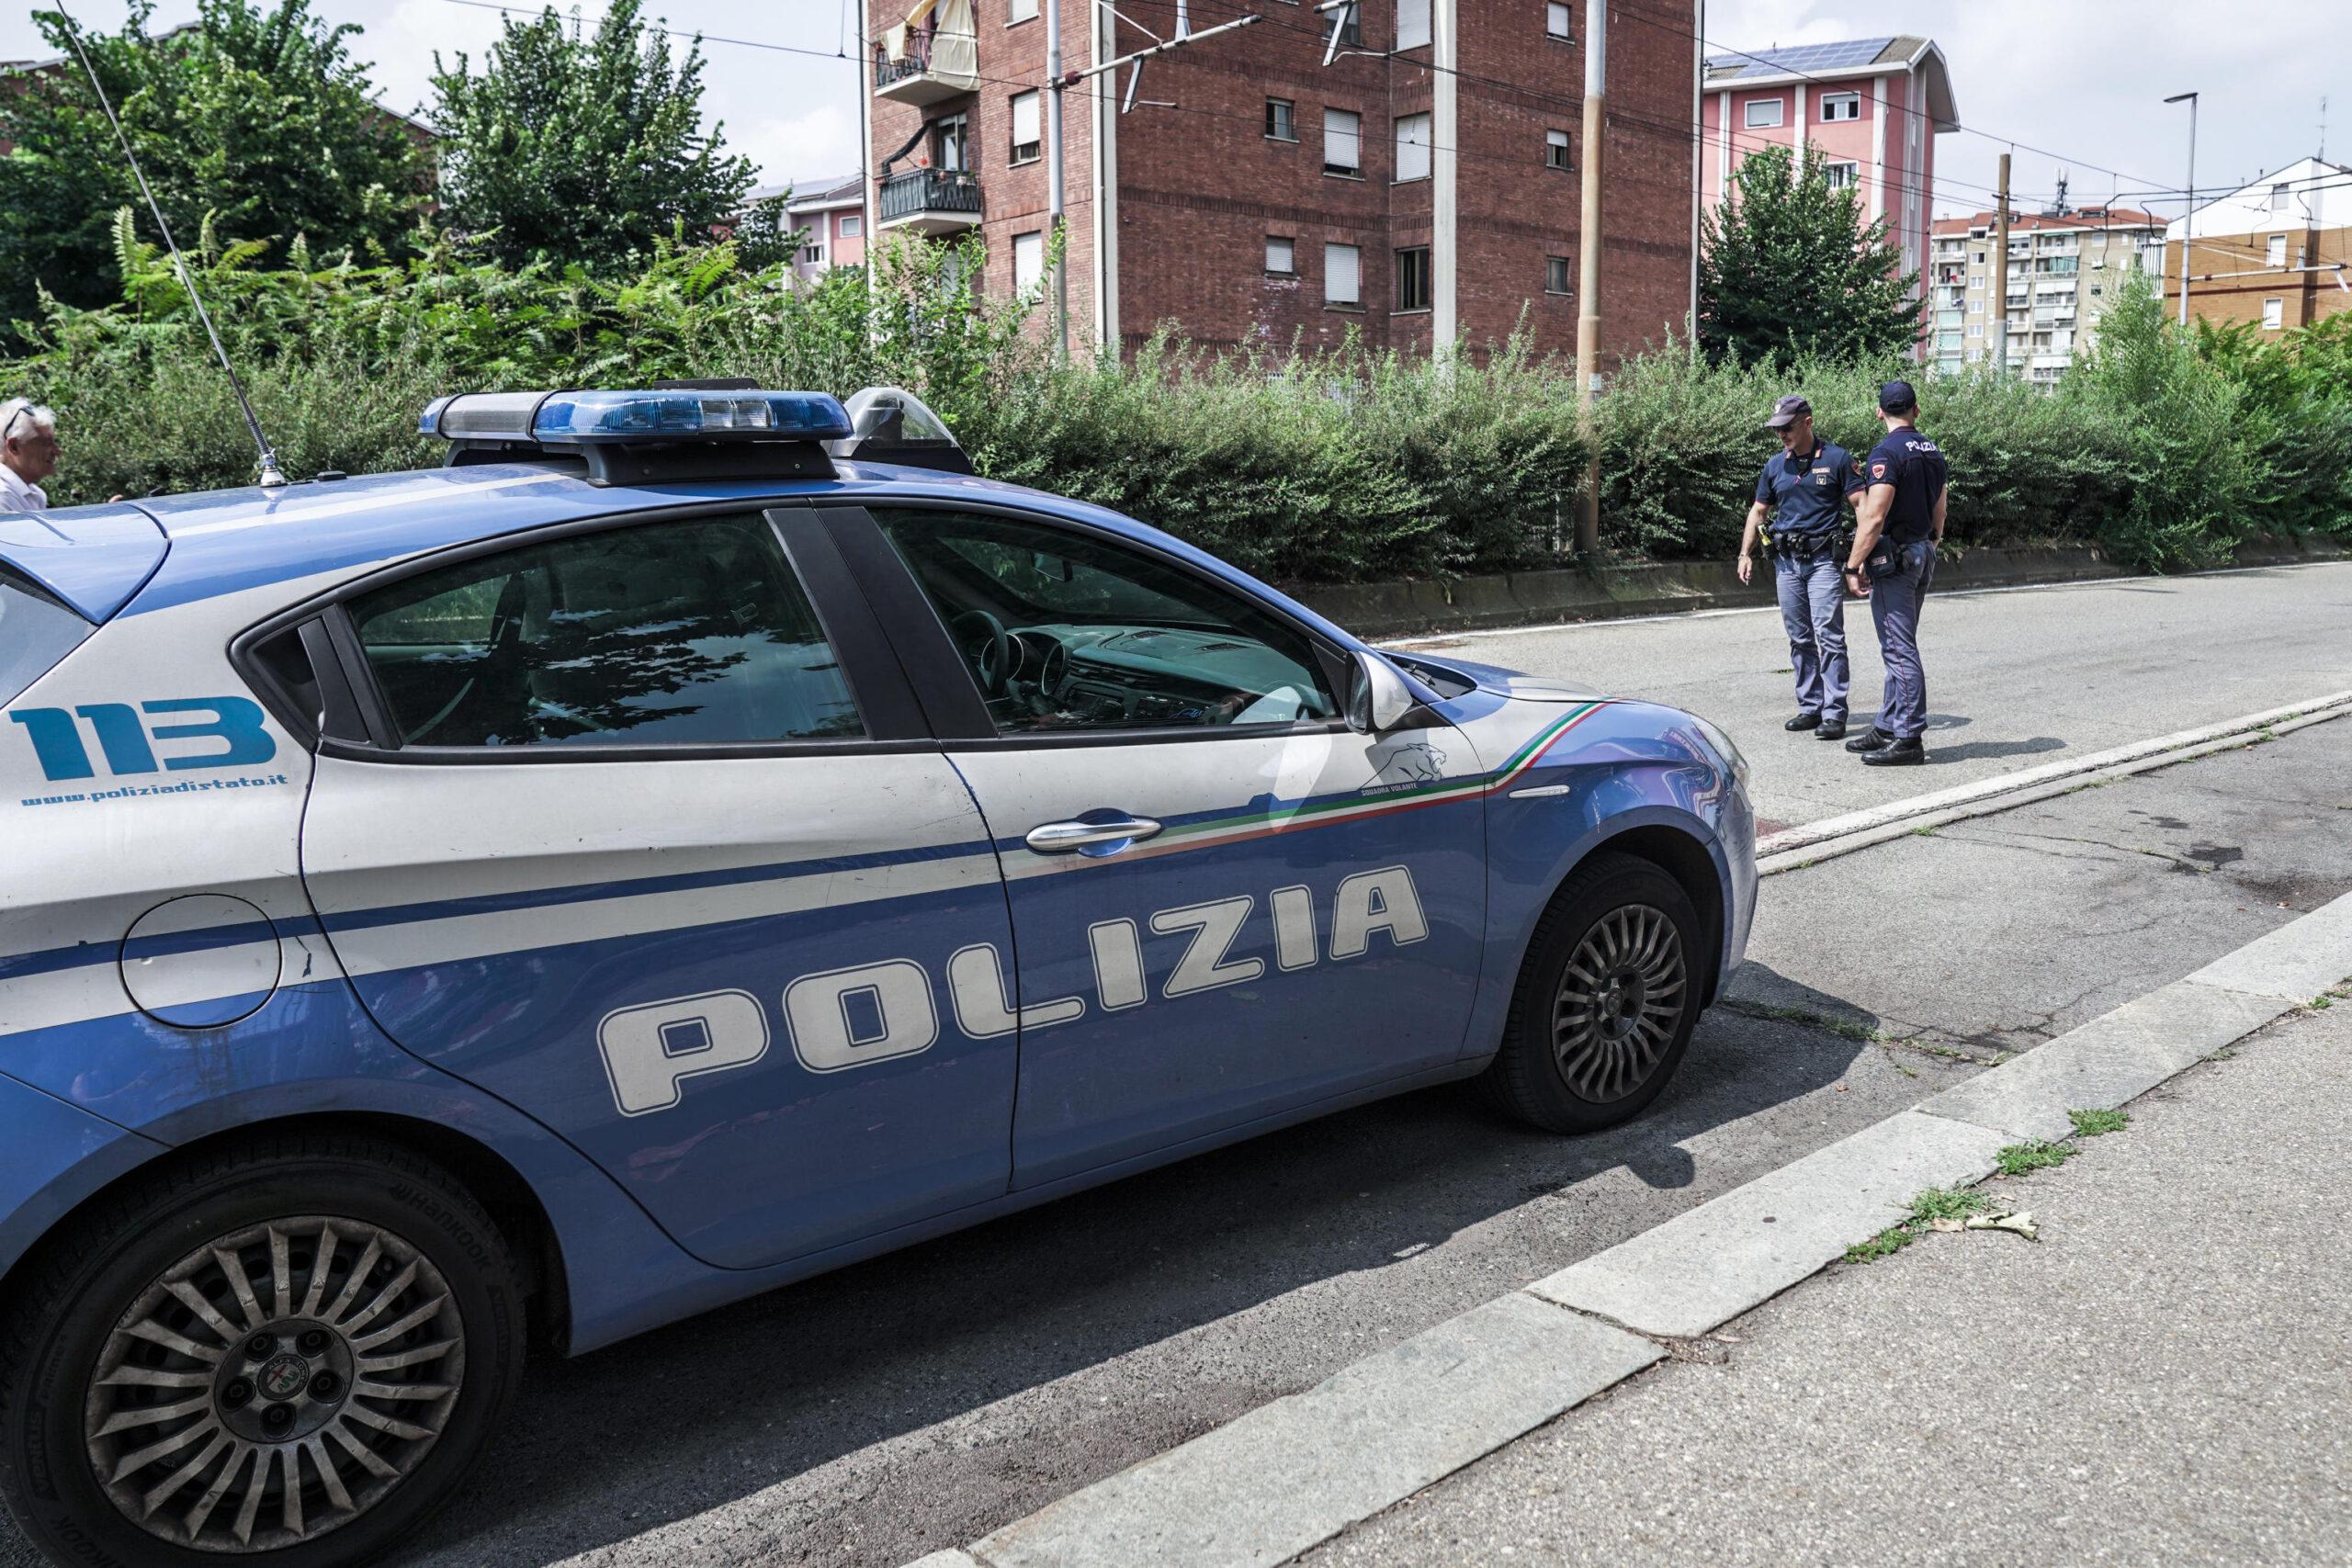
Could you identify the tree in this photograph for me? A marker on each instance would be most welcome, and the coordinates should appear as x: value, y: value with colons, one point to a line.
x: 258, y: 118
x: 581, y: 151
x: 1787, y: 270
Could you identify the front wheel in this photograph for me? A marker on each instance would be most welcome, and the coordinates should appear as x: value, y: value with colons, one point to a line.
x: 289, y: 1354
x: 1606, y: 1002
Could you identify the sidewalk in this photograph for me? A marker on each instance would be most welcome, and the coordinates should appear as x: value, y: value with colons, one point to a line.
x: 2162, y: 1378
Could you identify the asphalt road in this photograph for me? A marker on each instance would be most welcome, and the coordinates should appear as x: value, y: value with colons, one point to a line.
x: 919, y: 1401
x: 2016, y: 678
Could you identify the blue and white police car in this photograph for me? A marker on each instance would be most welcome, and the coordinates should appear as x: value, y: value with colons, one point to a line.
x: 693, y: 839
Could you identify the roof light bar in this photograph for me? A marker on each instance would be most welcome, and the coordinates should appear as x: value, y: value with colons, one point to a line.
x: 592, y: 418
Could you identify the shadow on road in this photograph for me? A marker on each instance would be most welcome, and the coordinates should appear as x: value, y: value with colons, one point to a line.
x: 714, y: 1409
x: 2038, y: 744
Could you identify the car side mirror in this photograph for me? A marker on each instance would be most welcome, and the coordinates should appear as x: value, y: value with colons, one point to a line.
x: 1378, y: 699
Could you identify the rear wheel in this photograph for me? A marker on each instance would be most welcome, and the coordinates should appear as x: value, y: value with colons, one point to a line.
x: 291, y: 1354
x: 1607, y: 999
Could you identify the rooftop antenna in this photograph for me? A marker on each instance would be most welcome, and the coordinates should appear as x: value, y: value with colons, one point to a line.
x: 270, y: 476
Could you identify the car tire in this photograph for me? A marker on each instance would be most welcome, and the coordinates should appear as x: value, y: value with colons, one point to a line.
x: 1589, y: 1047
x: 372, y: 1384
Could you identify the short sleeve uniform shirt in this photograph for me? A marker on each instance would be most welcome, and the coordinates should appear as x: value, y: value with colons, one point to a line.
x: 1807, y: 490
x: 1915, y: 465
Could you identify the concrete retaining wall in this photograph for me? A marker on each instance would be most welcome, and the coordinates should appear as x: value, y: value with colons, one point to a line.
x: 1568, y: 593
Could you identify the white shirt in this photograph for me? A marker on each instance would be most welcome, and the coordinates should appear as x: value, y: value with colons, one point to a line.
x: 16, y: 495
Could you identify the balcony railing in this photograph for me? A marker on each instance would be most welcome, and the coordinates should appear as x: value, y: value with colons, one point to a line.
x: 933, y: 67
x: 931, y: 201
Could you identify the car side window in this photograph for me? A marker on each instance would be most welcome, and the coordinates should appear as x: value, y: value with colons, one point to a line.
x: 688, y: 633
x: 1066, y: 631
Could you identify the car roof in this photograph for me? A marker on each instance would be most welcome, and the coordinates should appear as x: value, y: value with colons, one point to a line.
x: 229, y: 540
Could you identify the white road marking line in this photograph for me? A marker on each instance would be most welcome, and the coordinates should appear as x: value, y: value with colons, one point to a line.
x: 1424, y: 640
x: 1899, y: 811
x: 1276, y: 1482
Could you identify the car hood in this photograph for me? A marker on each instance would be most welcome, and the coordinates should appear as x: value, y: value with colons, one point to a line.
x: 1490, y: 678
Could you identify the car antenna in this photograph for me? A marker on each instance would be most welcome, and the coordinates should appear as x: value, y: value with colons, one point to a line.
x: 270, y: 475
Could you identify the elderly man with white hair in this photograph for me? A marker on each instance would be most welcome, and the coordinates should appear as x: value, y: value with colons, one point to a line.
x: 27, y: 455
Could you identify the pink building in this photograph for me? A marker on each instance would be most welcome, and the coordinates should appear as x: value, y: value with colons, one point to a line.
x: 1873, y: 107
x: 833, y: 212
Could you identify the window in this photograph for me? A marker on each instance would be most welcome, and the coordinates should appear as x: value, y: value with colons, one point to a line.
x: 1351, y: 26
x: 1842, y: 177
x: 1976, y: 280
x: 813, y: 255
x: 1282, y: 122
x: 35, y: 631
x: 1555, y: 148
x: 690, y: 633
x: 1020, y: 11
x: 2274, y: 314
x: 1412, y: 24
x: 1340, y: 284
x: 1064, y: 631
x: 1027, y: 141
x: 1282, y: 256
x: 1980, y: 258
x: 853, y: 226
x: 2279, y: 197
x: 1413, y: 147
x: 1762, y: 114
x: 1343, y: 142
x: 1558, y: 278
x: 2277, y: 256
x: 1556, y: 22
x: 1976, y: 328
x: 1841, y: 105
x: 1413, y: 278
x: 951, y: 144
x: 1028, y: 262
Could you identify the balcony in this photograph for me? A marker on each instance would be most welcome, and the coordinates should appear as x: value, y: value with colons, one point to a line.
x: 929, y: 201
x: 931, y: 68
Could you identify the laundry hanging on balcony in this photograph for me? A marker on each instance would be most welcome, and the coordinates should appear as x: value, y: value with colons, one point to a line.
x: 942, y: 37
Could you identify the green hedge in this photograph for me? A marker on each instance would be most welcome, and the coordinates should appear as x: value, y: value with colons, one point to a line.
x: 1345, y: 466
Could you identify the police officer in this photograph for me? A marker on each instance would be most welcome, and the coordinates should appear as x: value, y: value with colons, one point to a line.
x: 1891, y: 563
x: 1806, y: 489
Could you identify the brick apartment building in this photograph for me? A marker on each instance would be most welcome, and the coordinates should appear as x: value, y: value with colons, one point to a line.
x: 2064, y: 269
x: 2276, y: 253
x: 1423, y: 186
x: 1873, y: 107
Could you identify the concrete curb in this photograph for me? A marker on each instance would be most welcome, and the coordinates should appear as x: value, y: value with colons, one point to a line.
x: 1904, y: 817
x: 1563, y: 595
x: 1273, y: 1482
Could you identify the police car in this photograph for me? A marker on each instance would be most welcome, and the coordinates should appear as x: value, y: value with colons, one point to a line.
x: 693, y: 840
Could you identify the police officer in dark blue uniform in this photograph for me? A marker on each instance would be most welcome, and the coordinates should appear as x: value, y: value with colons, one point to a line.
x: 1808, y: 488
x: 1892, y: 562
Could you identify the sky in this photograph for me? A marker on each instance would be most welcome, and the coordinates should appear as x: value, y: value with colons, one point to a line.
x: 2081, y: 81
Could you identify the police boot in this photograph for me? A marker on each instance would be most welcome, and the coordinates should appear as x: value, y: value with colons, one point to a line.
x: 1870, y: 740
x: 1831, y: 730
x: 1896, y: 754
x: 1803, y: 721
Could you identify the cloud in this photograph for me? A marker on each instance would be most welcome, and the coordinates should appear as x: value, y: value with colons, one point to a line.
x: 807, y: 146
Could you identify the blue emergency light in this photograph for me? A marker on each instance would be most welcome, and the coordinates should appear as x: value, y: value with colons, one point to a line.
x: 682, y: 430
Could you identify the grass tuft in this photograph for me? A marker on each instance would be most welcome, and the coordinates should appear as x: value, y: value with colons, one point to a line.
x: 2093, y: 1124
x: 2036, y: 1154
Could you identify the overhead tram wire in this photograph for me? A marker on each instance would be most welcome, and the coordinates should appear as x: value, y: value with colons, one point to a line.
x: 1510, y: 161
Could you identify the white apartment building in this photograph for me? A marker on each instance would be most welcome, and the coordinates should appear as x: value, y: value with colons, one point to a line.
x: 2062, y: 272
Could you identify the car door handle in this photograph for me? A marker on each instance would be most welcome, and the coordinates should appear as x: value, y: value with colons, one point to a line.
x: 1061, y: 838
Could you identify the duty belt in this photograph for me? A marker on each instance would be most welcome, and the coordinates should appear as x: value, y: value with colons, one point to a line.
x: 1804, y: 546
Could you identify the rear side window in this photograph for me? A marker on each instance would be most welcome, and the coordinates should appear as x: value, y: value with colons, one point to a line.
x: 693, y: 633
x: 35, y: 631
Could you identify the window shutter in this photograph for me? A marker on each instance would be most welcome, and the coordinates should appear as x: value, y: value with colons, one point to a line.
x: 1342, y: 140
x: 1339, y: 282
x: 1412, y: 23
x: 1025, y: 119
x: 1413, y: 147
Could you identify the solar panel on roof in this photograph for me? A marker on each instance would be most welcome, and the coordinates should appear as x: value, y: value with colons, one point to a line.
x: 1800, y: 59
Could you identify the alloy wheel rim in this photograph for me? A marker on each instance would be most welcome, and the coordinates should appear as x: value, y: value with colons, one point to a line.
x: 274, y: 1385
x: 1619, y: 1000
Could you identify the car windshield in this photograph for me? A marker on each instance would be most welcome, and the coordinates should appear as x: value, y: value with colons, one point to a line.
x: 35, y: 631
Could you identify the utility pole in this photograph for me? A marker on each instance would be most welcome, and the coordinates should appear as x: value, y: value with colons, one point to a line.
x: 1596, y: 79
x: 2189, y: 219
x: 2001, y: 271
x: 1058, y: 238
x: 1698, y: 160
x: 1061, y: 81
